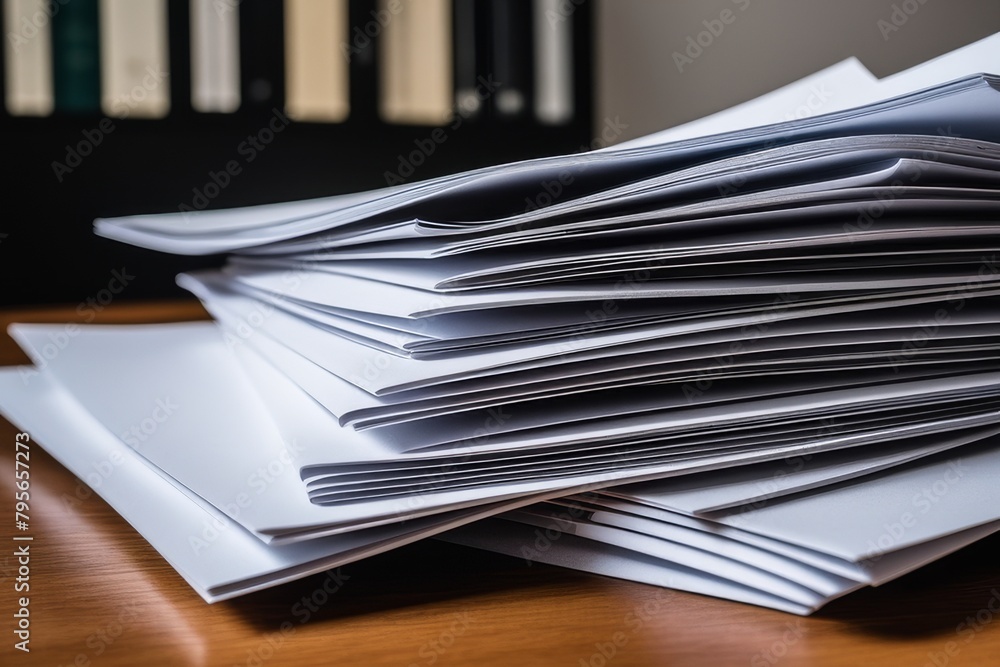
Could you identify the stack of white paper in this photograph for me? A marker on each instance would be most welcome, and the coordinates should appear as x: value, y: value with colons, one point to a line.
x: 760, y: 365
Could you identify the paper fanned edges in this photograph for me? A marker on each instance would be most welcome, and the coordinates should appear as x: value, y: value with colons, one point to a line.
x: 725, y: 365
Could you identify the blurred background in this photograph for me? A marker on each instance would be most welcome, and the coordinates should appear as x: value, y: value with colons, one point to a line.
x: 767, y: 44
x: 113, y: 107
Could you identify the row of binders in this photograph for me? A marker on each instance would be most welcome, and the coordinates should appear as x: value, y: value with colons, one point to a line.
x: 435, y: 58
x: 760, y: 365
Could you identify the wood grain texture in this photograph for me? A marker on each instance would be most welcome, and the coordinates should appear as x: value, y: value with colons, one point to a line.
x: 101, y: 596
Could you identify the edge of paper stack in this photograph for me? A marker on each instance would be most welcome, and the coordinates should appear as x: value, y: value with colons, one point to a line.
x: 760, y: 365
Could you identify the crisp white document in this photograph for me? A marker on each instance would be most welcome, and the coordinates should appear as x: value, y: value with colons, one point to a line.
x: 761, y: 364
x: 214, y: 553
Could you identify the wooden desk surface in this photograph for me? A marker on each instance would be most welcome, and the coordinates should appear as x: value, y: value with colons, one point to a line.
x: 101, y: 596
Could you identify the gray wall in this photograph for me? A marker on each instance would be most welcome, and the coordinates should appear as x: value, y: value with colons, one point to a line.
x: 766, y: 44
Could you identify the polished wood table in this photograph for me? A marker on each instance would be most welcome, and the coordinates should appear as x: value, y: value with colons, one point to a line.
x: 100, y: 595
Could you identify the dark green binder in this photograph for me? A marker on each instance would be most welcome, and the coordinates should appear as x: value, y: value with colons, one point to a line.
x: 76, y: 60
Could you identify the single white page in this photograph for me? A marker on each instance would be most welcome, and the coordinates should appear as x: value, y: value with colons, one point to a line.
x: 214, y: 554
